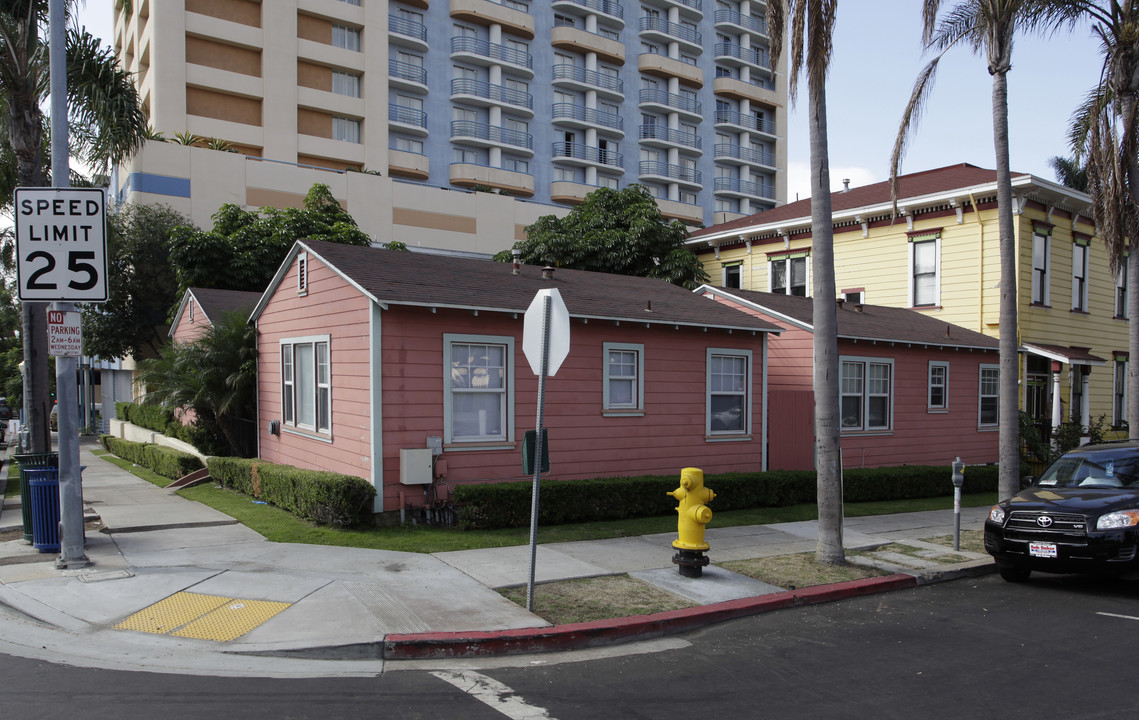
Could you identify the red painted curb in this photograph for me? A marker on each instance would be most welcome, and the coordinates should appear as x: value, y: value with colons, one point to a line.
x: 576, y: 636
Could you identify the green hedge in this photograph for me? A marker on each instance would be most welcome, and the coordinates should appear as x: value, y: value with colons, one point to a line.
x: 498, y: 505
x: 151, y: 417
x: 324, y: 497
x: 163, y: 460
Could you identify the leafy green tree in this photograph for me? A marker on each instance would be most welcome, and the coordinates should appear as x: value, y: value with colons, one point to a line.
x: 106, y: 124
x: 811, y: 23
x: 614, y: 231
x: 244, y: 248
x: 215, y: 376
x: 987, y: 27
x: 143, y: 288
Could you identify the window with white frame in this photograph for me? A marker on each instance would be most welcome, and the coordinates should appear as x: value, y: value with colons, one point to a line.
x: 1080, y: 253
x: 1119, y: 392
x: 345, y: 83
x: 729, y: 392
x: 1041, y: 262
x: 732, y: 275
x: 988, y: 410
x: 606, y: 181
x: 866, y: 393
x: 624, y: 377
x: 479, y: 401
x: 306, y: 383
x: 346, y: 37
x: 346, y: 129
x: 1121, y: 290
x: 925, y: 251
x: 937, y: 397
x: 789, y: 273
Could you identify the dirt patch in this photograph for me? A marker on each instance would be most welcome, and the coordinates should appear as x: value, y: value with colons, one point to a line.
x: 798, y: 571
x: 571, y: 601
x: 971, y: 541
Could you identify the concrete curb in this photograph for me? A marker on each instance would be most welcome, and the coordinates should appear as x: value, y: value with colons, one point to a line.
x: 577, y: 636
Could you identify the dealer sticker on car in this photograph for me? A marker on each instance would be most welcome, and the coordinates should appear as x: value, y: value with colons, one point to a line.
x: 1042, y: 549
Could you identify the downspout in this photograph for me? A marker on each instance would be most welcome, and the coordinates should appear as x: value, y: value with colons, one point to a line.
x: 763, y: 410
x: 376, y: 381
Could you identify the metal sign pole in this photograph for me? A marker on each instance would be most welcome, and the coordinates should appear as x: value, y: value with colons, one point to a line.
x: 538, y: 451
x: 71, y: 553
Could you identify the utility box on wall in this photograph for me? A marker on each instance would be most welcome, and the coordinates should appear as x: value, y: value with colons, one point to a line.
x: 415, y: 466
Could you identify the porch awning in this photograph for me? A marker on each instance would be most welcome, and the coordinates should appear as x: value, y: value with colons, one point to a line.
x: 1064, y: 354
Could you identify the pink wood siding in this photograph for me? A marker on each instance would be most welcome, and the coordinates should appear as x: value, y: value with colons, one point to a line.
x: 583, y: 442
x: 187, y: 331
x: 918, y: 437
x: 331, y: 307
x: 921, y: 437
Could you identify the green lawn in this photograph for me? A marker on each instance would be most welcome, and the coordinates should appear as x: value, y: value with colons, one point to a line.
x: 279, y: 526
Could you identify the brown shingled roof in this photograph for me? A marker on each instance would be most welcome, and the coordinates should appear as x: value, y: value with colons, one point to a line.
x: 919, y: 184
x: 215, y: 303
x: 870, y: 322
x: 409, y: 278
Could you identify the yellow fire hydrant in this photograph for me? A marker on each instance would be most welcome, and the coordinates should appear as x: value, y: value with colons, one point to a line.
x: 693, y: 515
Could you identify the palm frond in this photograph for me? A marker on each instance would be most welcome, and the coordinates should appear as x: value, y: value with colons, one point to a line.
x: 911, y: 117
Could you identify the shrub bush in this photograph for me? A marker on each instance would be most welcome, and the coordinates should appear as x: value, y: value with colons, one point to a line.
x: 499, y: 505
x: 165, y: 461
x: 324, y: 497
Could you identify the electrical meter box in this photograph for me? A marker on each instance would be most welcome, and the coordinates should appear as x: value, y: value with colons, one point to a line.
x: 415, y: 466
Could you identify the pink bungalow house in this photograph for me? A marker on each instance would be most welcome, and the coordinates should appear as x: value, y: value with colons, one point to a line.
x: 200, y: 307
x: 407, y: 369
x: 914, y: 390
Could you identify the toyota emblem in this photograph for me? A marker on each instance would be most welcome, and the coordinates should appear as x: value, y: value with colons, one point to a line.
x: 1044, y: 521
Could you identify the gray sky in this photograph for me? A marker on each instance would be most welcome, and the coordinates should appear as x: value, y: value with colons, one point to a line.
x: 877, y: 56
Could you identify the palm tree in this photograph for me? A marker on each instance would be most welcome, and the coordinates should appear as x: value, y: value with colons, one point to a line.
x: 1070, y: 172
x: 215, y: 376
x: 987, y: 27
x: 1104, y: 132
x: 107, y: 125
x: 811, y: 23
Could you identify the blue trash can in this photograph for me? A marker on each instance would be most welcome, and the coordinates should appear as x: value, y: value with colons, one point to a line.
x: 27, y: 461
x: 44, y: 486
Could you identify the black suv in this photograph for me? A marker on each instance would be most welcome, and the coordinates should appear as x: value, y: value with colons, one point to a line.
x: 1081, y: 516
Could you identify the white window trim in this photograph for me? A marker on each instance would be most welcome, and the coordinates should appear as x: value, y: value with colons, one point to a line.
x: 1121, y: 284
x: 737, y: 265
x: 508, y: 420
x: 1118, y: 407
x: 302, y: 273
x: 863, y: 426
x: 638, y: 408
x: 1080, y: 303
x: 936, y: 273
x: 772, y: 262
x: 295, y: 425
x: 1046, y: 294
x: 980, y: 387
x: 745, y: 433
x: 930, y: 407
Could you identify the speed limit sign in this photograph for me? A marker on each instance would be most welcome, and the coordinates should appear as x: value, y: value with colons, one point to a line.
x: 61, y: 244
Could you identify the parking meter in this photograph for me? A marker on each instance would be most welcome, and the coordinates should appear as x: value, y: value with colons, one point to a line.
x: 958, y: 481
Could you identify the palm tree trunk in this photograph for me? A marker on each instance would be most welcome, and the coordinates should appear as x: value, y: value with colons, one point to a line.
x: 26, y: 137
x: 1009, y: 405
x: 828, y: 454
x: 1133, y: 314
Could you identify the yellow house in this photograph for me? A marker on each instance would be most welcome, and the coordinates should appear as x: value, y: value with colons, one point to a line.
x: 940, y: 256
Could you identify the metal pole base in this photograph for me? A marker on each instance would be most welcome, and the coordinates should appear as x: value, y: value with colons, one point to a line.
x: 690, y: 563
x: 77, y: 564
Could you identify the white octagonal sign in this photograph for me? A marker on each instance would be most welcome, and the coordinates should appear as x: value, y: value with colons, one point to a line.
x: 558, y: 329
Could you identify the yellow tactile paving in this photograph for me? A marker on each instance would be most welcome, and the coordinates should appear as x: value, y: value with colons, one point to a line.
x: 172, y: 613
x: 231, y: 620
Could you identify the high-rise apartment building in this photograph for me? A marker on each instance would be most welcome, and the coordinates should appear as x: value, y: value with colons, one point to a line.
x: 541, y: 100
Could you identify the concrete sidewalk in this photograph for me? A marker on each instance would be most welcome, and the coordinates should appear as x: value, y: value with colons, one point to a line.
x: 179, y: 587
